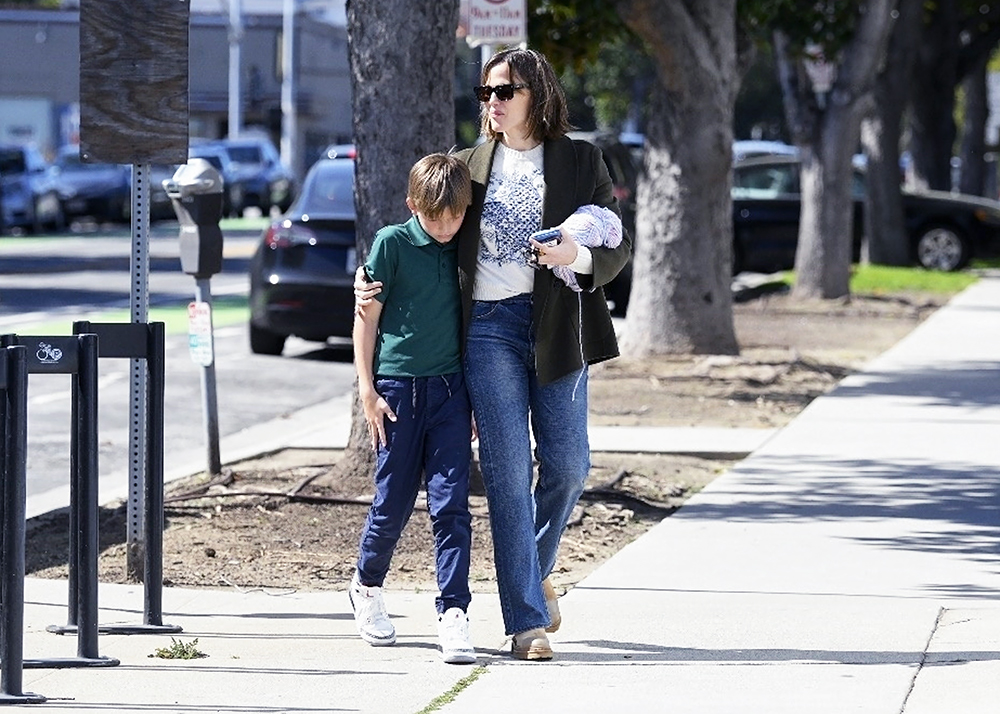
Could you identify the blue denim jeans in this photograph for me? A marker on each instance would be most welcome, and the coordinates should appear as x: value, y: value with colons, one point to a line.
x: 430, y: 441
x: 527, y: 517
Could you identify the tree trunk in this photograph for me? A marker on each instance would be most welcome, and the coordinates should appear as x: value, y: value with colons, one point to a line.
x: 886, y: 240
x: 402, y: 60
x: 826, y: 128
x: 932, y: 122
x: 681, y: 299
x: 826, y: 224
x: 973, y: 152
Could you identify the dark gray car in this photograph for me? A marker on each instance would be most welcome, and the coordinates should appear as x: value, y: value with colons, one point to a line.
x: 302, y: 273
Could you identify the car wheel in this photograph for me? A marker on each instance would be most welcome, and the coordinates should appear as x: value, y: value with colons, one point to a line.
x: 263, y: 342
x: 47, y: 214
x: 58, y: 222
x: 942, y: 248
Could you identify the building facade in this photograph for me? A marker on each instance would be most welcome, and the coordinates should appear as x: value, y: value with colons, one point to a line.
x: 40, y: 77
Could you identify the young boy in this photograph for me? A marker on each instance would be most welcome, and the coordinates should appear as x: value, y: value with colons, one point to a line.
x: 410, y: 381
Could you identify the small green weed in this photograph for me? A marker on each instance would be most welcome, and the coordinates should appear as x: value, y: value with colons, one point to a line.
x: 180, y: 650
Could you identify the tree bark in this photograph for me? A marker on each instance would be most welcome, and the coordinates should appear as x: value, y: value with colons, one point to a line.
x: 932, y: 123
x: 402, y: 60
x: 973, y: 151
x: 681, y: 299
x: 886, y: 240
x: 826, y: 128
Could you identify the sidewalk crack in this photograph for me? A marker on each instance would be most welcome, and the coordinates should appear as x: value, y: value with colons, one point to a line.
x: 923, y: 659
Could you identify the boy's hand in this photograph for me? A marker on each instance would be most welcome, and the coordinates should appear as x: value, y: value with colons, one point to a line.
x: 364, y: 291
x: 376, y: 410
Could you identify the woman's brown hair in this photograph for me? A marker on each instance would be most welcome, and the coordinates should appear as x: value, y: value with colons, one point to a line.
x: 548, y: 117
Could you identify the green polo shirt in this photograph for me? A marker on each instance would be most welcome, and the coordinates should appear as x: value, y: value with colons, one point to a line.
x: 418, y: 331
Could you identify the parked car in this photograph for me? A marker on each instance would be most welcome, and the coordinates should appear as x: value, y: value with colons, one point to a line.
x: 302, y: 272
x: 748, y: 148
x: 267, y: 182
x: 946, y: 230
x: 99, y: 191
x: 340, y: 151
x: 234, y: 177
x: 29, y: 197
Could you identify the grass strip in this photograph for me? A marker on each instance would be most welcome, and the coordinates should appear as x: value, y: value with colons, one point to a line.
x: 226, y: 310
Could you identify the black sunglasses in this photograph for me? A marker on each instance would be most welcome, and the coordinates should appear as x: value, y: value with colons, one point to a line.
x: 504, y: 92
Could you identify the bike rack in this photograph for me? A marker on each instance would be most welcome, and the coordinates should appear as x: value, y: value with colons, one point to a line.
x: 138, y: 341
x: 13, y: 474
x: 76, y: 356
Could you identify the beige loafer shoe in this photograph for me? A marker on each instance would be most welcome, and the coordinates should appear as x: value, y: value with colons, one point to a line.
x: 552, y: 603
x: 531, y: 645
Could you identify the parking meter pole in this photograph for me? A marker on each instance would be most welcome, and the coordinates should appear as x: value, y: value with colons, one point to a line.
x: 196, y: 194
x: 203, y: 293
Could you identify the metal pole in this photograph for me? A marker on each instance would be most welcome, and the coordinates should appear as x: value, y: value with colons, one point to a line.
x: 13, y: 470
x: 139, y: 304
x: 235, y: 38
x: 289, y: 120
x: 153, y: 603
x: 88, y: 513
x: 203, y: 293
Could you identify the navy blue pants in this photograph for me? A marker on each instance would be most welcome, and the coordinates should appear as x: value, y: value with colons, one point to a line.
x: 429, y: 444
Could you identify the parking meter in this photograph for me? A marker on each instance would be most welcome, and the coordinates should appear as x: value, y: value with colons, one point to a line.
x: 195, y: 191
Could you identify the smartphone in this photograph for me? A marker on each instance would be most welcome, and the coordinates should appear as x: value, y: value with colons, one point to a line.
x: 548, y: 237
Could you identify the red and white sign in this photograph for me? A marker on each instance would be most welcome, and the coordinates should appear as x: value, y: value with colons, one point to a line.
x: 200, y: 333
x: 494, y: 22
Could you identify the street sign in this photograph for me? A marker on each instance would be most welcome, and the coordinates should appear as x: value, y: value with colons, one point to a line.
x: 200, y: 333
x: 134, y: 81
x: 494, y: 22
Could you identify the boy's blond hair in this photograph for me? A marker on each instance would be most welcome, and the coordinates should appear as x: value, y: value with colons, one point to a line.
x: 439, y: 183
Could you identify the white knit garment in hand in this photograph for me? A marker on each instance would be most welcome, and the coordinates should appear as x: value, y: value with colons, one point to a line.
x: 592, y: 226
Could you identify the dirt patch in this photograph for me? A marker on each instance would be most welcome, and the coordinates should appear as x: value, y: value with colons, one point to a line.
x: 281, y: 522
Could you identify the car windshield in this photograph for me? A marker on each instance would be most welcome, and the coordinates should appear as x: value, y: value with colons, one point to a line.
x: 329, y: 189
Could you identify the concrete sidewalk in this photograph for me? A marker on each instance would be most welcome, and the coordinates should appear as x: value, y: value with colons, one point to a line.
x: 850, y: 563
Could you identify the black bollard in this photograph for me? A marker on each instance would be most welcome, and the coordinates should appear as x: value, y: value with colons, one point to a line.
x: 13, y: 472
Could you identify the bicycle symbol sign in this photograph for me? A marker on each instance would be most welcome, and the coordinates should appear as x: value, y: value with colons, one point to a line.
x: 47, y: 354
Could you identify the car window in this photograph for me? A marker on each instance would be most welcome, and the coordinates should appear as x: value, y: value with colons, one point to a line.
x: 12, y: 162
x: 245, y: 154
x: 764, y: 181
x: 328, y: 189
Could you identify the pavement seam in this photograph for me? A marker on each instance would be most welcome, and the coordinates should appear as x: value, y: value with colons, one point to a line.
x: 923, y: 659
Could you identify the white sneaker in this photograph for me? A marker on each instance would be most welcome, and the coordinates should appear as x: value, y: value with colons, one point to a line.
x: 453, y: 634
x: 370, y: 615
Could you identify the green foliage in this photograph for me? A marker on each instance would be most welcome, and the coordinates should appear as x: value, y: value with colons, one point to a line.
x: 179, y: 650
x: 603, y: 65
x: 571, y: 33
x: 829, y: 23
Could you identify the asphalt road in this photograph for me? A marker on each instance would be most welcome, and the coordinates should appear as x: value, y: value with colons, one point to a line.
x: 76, y: 276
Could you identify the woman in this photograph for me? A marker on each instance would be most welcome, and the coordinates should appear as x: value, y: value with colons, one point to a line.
x: 528, y: 336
